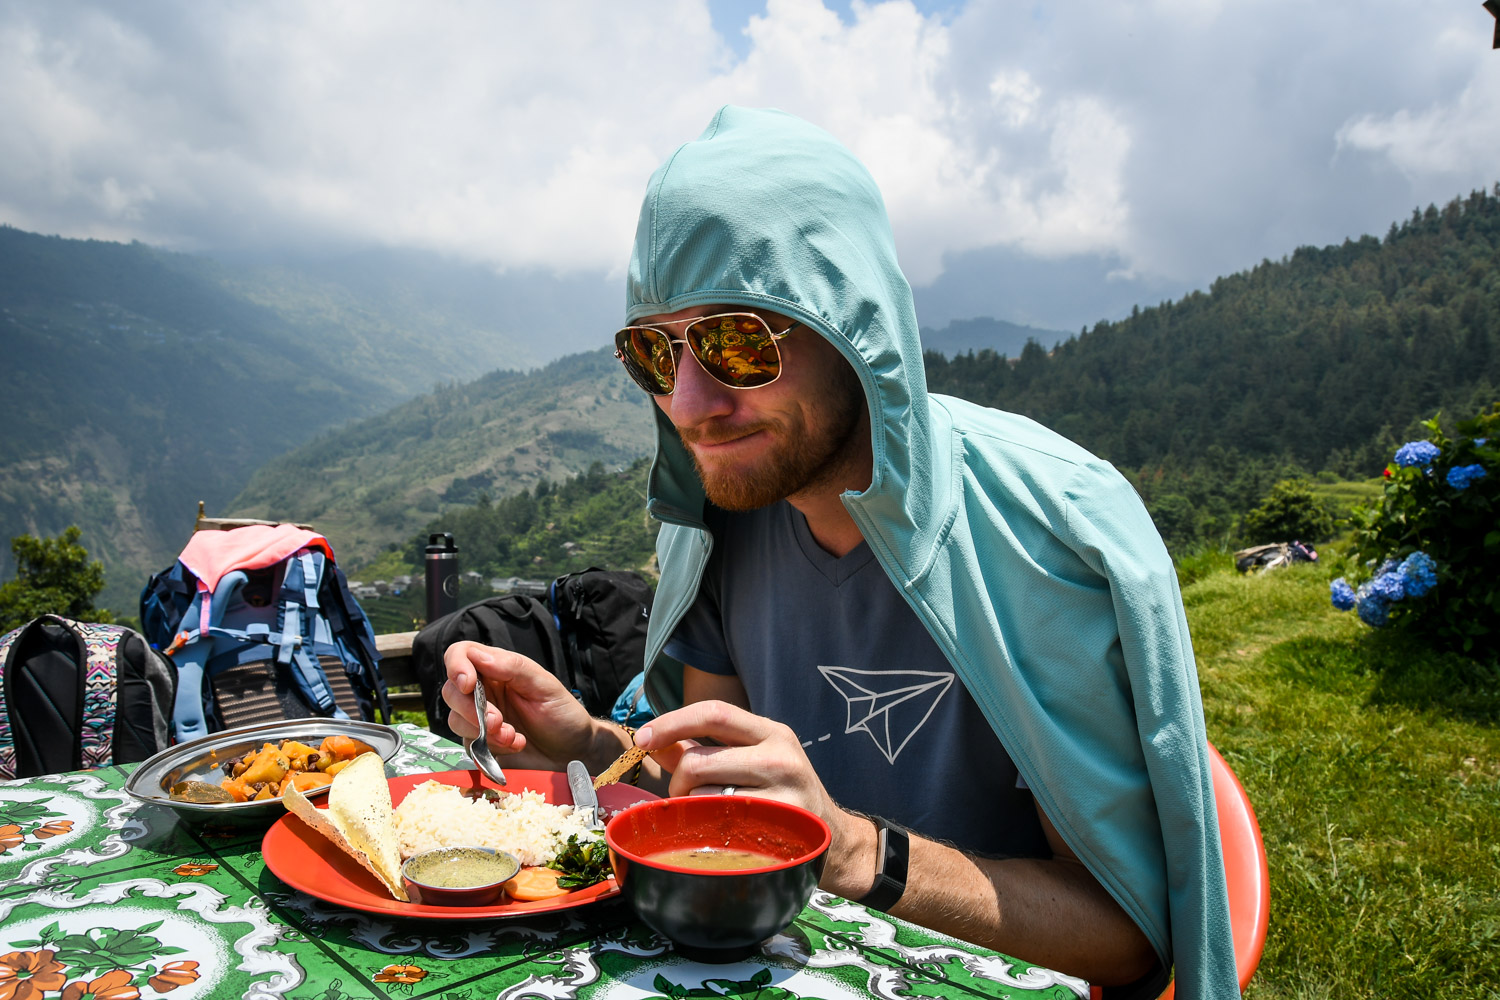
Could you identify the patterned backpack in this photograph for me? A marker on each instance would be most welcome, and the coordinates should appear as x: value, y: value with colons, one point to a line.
x: 77, y: 695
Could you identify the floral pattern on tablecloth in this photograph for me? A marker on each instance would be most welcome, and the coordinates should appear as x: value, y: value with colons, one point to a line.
x: 105, y: 898
x: 45, y: 825
x: 944, y: 958
x: 155, y: 937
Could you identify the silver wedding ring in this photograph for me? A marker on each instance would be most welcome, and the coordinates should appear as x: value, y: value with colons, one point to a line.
x: 729, y: 789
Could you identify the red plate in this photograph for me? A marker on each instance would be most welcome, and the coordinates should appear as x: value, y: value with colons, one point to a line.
x: 308, y: 861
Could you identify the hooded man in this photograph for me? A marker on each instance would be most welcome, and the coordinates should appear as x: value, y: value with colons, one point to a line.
x: 952, y: 634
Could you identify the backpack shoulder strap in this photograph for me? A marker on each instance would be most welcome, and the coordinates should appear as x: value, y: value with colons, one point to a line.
x: 96, y: 734
x: 102, y: 644
x: 7, y: 741
x: 301, y: 625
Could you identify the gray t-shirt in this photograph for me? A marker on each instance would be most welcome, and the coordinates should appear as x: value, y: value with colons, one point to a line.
x: 829, y: 647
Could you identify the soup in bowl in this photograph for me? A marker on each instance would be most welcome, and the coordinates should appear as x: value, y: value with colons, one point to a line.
x: 717, y: 874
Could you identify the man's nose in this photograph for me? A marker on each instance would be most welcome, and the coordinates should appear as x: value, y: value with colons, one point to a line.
x: 697, y: 396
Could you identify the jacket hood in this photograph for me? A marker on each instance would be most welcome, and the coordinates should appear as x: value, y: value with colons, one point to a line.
x: 766, y: 210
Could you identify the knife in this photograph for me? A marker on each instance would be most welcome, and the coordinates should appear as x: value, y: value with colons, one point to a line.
x: 584, y: 798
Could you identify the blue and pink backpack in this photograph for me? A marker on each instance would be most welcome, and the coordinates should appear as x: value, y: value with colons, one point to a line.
x: 260, y: 625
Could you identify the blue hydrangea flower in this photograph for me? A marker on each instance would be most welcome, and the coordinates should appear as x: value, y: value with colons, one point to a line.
x: 1342, y: 594
x: 1461, y: 477
x: 1420, y: 574
x: 1374, y: 610
x: 1389, y: 587
x: 1416, y: 453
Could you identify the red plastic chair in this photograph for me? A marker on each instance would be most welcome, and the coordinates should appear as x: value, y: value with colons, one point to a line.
x: 1246, y: 872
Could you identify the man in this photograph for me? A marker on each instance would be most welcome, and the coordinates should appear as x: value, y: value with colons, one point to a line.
x: 949, y: 632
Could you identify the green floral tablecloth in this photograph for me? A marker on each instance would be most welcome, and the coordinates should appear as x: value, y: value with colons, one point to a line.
x: 102, y: 898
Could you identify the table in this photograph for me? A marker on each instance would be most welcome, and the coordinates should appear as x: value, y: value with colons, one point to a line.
x: 103, y: 898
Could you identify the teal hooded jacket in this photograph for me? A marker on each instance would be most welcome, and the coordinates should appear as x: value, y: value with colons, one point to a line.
x: 1032, y: 563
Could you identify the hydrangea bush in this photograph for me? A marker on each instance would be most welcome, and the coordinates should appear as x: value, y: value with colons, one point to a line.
x: 1433, y: 541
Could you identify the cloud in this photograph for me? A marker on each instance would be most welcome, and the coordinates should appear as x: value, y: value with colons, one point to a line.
x: 1452, y: 139
x: 518, y: 135
x: 1173, y: 140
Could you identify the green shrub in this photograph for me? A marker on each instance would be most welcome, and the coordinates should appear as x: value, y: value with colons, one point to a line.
x: 1430, y: 547
x: 1290, y: 512
x: 54, y: 576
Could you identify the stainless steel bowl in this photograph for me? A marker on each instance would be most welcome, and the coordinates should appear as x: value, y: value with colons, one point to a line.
x: 200, y: 760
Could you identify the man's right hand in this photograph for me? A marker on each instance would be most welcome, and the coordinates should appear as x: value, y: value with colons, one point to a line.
x: 533, y: 719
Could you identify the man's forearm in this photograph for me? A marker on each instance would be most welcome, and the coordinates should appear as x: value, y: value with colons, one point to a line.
x: 1051, y: 912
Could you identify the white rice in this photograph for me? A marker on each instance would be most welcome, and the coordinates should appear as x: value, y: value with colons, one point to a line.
x: 435, y: 815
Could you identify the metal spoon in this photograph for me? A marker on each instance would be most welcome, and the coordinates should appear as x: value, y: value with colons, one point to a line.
x: 479, y: 749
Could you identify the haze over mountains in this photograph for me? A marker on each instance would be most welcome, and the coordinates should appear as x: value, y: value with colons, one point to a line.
x: 368, y: 395
x: 137, y: 382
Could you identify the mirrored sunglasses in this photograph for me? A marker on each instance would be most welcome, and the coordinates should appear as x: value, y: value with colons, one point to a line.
x: 737, y: 349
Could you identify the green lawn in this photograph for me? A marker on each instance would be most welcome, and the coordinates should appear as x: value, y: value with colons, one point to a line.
x: 1374, y: 768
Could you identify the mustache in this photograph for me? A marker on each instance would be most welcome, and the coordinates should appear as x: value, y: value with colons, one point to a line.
x: 712, y: 434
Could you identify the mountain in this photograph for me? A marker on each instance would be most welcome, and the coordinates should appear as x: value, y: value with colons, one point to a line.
x: 1322, y: 361
x: 374, y: 483
x: 985, y: 334
x: 137, y: 382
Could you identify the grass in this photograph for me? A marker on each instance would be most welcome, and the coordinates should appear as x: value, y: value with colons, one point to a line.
x: 1374, y: 767
x: 1345, y: 494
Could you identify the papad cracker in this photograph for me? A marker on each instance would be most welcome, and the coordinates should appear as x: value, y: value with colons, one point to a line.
x: 627, y: 760
x: 359, y: 820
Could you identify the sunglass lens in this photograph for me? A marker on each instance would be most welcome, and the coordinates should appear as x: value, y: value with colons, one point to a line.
x: 647, y: 355
x: 737, y: 350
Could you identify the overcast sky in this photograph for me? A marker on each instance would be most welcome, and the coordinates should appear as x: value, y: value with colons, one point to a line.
x: 1048, y: 163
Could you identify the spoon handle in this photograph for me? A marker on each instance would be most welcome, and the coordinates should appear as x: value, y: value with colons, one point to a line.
x: 479, y: 748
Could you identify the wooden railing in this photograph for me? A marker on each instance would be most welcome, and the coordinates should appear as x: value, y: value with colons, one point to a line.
x: 396, y: 667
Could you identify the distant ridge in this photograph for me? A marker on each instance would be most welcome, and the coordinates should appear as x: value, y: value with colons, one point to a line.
x: 982, y: 333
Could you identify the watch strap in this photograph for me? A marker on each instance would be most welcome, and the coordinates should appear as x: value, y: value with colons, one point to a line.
x: 894, y: 854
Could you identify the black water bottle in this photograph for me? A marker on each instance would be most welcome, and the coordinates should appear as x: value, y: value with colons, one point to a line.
x: 442, y: 575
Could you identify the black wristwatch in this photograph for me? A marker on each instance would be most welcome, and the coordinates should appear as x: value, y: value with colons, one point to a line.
x: 893, y: 855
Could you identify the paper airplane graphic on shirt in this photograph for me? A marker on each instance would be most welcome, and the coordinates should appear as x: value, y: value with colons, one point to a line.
x: 890, y: 705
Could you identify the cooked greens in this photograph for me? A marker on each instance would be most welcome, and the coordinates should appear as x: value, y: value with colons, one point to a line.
x: 583, y: 862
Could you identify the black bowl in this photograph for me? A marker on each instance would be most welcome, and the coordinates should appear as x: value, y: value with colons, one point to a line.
x: 717, y: 915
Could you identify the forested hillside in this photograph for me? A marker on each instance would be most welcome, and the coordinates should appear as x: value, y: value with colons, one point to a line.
x: 1322, y: 361
x: 136, y: 382
x: 597, y: 518
x: 371, y: 485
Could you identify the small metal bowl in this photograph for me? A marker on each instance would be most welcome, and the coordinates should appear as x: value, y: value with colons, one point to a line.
x: 458, y: 876
x: 201, y: 760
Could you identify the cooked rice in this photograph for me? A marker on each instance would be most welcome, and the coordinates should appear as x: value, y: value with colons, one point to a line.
x: 435, y: 815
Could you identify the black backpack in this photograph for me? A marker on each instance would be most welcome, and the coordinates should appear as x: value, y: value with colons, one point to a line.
x: 601, y: 617
x: 75, y: 695
x: 589, y: 631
